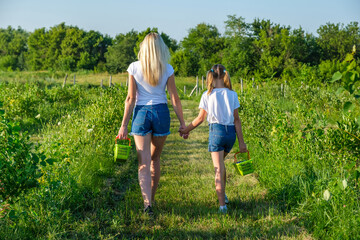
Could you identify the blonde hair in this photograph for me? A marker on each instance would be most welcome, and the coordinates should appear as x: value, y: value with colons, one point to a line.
x: 218, y: 71
x: 153, y: 56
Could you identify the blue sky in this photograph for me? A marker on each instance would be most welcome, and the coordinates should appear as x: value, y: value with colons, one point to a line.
x: 174, y: 18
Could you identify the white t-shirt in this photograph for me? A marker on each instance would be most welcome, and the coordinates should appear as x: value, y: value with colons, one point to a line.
x: 220, y: 105
x: 145, y: 93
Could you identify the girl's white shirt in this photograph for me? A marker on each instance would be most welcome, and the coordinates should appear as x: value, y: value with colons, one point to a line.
x: 145, y: 93
x: 220, y: 105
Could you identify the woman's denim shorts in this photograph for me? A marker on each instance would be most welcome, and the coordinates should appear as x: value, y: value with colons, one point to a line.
x: 221, y: 137
x: 153, y: 119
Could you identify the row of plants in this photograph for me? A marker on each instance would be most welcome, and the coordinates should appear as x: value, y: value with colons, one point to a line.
x: 55, y: 149
x: 307, y: 152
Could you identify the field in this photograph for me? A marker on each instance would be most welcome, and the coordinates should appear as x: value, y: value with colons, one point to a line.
x: 59, y: 180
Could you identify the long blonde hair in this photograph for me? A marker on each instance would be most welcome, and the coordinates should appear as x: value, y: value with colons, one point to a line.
x: 218, y: 71
x: 153, y: 56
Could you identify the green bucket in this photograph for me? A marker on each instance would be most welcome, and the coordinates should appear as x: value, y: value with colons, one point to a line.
x: 243, y: 167
x: 122, y: 151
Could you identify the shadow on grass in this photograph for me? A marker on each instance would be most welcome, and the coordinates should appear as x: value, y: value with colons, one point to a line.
x: 246, y: 219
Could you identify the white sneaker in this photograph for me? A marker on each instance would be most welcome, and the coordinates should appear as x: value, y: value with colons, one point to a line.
x: 226, y: 199
x: 223, y: 209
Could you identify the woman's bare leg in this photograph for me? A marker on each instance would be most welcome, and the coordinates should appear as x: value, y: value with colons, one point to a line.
x: 157, y: 144
x: 144, y: 159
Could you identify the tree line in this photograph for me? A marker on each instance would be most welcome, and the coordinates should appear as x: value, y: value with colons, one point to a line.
x: 260, y: 49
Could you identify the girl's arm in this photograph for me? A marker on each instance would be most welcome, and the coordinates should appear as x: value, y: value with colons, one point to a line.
x: 239, y: 134
x: 196, y: 122
x: 129, y: 106
x: 175, y: 100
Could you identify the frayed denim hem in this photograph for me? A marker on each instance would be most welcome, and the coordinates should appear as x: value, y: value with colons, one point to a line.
x: 161, y: 134
x: 139, y: 134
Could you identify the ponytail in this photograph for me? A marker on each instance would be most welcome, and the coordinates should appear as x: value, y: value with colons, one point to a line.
x: 210, y: 81
x: 227, y: 81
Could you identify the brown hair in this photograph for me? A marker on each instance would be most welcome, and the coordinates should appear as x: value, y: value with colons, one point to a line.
x: 218, y: 71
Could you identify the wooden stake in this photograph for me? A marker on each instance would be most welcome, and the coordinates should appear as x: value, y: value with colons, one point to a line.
x: 202, y: 82
x: 74, y: 78
x: 242, y: 85
x: 110, y: 81
x: 197, y: 85
x: 65, y: 80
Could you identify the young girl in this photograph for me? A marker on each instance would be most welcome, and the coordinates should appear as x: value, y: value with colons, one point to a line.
x: 220, y: 104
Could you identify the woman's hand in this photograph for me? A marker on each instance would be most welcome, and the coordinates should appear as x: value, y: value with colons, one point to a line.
x: 123, y: 132
x: 183, y: 134
x: 243, y: 147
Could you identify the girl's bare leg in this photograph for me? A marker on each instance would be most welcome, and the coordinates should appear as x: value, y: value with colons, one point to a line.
x: 219, y: 166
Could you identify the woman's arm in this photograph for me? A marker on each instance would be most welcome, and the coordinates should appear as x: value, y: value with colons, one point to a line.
x: 129, y: 106
x: 196, y: 122
x: 239, y: 134
x: 175, y: 100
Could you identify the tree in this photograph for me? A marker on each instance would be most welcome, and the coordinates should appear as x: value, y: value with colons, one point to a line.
x: 202, y: 48
x: 121, y: 53
x: 336, y: 41
x: 37, y: 49
x: 12, y: 48
x: 56, y: 35
x: 239, y: 50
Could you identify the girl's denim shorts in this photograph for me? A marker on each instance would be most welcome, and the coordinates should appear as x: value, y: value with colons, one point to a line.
x: 221, y: 137
x: 153, y: 119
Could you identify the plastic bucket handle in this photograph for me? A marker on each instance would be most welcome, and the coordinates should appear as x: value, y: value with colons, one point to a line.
x: 235, y: 159
x: 123, y: 139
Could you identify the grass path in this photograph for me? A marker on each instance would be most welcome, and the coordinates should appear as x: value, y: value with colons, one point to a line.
x: 186, y: 203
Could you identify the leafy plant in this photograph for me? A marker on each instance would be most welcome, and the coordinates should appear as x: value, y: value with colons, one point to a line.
x: 19, y: 169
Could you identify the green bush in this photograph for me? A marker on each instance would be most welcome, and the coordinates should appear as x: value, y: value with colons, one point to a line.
x: 19, y: 169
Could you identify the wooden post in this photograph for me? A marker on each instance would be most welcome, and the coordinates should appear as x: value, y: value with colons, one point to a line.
x: 74, y: 78
x: 197, y: 85
x: 65, y: 80
x: 101, y: 84
x: 285, y: 88
x: 202, y: 82
x: 121, y: 84
x: 253, y: 84
x: 184, y: 90
x: 281, y: 88
x: 110, y: 81
x: 242, y: 85
x: 193, y: 91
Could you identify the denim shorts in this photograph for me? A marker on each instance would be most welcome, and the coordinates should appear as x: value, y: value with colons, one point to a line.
x: 153, y: 119
x: 221, y: 137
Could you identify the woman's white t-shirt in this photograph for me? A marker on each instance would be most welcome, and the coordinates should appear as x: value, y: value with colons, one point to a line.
x: 145, y: 93
x: 220, y: 105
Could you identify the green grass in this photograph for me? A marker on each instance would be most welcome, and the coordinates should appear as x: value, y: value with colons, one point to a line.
x: 85, y: 195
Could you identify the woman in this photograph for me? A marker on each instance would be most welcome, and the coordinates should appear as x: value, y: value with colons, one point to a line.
x: 148, y: 78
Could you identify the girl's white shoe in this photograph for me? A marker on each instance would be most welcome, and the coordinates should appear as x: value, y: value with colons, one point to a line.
x: 223, y: 209
x: 226, y: 199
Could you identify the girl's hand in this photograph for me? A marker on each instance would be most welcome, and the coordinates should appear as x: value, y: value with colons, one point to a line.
x: 123, y: 132
x: 183, y: 134
x: 243, y: 147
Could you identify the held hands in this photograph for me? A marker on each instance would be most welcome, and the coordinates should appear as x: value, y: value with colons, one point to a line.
x: 183, y: 134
